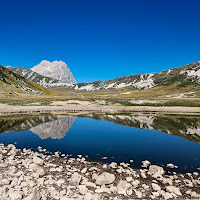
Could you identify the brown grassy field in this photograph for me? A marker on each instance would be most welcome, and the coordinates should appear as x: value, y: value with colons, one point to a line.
x: 157, y: 96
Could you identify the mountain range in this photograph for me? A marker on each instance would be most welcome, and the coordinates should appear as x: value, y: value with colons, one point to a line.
x: 47, y: 74
x: 56, y: 73
x: 181, y: 76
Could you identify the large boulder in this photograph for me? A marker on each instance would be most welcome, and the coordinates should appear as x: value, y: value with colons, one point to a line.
x: 38, y: 160
x: 156, y: 187
x: 105, y: 178
x: 75, y: 179
x: 173, y: 189
x: 15, y: 195
x: 35, y: 195
x: 122, y: 187
x: 156, y: 171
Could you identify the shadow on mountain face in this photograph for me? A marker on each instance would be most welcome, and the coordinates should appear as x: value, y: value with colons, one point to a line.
x: 52, y: 126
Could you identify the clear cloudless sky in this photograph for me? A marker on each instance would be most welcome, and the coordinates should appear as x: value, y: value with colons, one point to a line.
x: 100, y: 39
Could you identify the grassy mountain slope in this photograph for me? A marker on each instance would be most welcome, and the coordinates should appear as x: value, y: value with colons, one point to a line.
x: 180, y: 77
x: 33, y: 76
x: 11, y: 82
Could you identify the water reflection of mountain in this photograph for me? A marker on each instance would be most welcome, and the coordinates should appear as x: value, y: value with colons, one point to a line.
x: 187, y: 127
x: 44, y: 126
x: 54, y: 129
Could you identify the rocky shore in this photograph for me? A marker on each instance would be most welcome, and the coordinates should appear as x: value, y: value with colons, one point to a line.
x: 29, y: 175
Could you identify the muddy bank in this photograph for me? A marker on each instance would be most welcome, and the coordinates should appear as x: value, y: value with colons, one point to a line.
x: 35, y: 176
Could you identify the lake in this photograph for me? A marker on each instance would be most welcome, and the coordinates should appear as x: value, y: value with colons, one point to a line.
x: 161, y: 139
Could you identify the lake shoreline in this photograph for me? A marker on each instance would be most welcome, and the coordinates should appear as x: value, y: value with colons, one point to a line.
x: 77, y: 107
x: 33, y: 175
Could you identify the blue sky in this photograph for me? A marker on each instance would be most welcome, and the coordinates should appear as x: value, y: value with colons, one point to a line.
x: 100, y: 39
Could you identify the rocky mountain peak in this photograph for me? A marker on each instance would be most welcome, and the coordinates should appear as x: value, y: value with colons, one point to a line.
x: 56, y: 69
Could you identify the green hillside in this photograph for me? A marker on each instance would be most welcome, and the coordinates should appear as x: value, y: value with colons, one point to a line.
x: 13, y: 83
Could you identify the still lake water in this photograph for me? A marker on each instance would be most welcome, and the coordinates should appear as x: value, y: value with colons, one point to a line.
x: 159, y: 139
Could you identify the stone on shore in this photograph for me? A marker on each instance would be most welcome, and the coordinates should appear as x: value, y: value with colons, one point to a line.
x: 156, y: 171
x: 38, y: 160
x: 156, y: 187
x: 75, y: 179
x: 122, y: 187
x: 174, y: 190
x: 105, y: 178
x: 35, y: 176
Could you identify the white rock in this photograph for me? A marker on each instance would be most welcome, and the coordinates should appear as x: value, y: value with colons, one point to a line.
x: 75, y: 179
x: 1, y: 157
x: 119, y: 170
x: 82, y: 189
x: 145, y: 186
x: 4, y: 182
x: 15, y: 195
x: 3, y: 165
x: 170, y: 165
x: 40, y: 148
x: 31, y: 184
x: 38, y: 160
x: 194, y: 195
x: 129, y: 178
x: 138, y: 194
x: 40, y: 172
x: 94, y: 176
x: 143, y: 175
x: 135, y: 183
x: 129, y: 192
x: 102, y: 190
x: 156, y: 187
x: 113, y: 165
x: 122, y: 187
x: 166, y: 195
x: 174, y: 190
x: 35, y: 195
x: 89, y: 184
x: 57, y: 154
x: 84, y: 170
x: 195, y: 173
x: 90, y: 196
x: 156, y: 171
x: 104, y: 166
x: 156, y: 194
x: 145, y: 163
x: 105, y: 178
x: 60, y: 182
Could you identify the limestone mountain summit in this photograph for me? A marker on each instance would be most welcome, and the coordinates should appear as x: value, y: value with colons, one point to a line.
x: 56, y: 70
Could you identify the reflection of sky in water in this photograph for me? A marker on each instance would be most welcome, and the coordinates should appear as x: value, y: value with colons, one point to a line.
x: 119, y: 143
